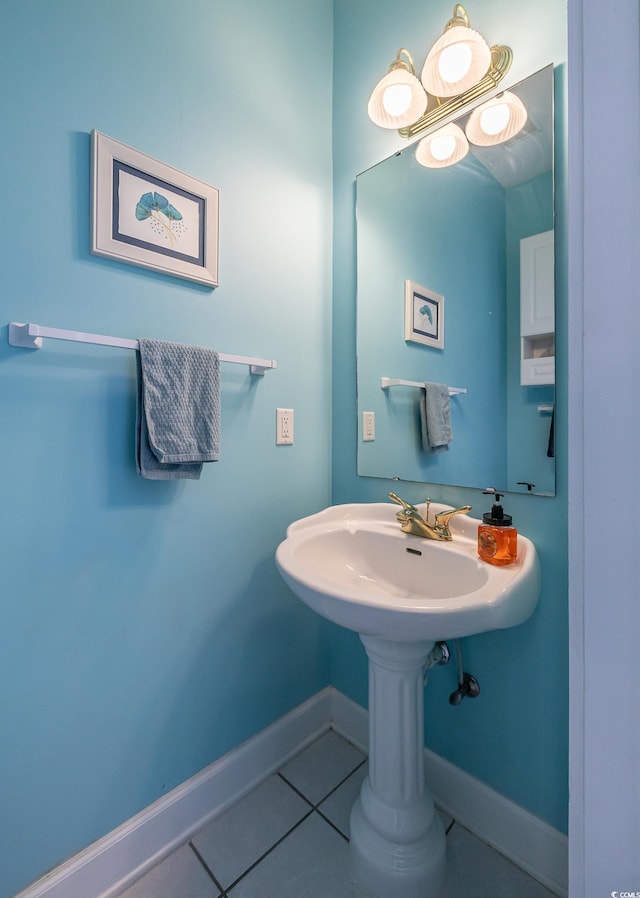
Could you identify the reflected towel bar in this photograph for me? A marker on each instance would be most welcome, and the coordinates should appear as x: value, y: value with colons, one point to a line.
x: 29, y: 336
x: 386, y: 382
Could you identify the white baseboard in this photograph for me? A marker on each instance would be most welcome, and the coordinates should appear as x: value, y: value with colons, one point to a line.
x: 525, y: 839
x: 108, y: 866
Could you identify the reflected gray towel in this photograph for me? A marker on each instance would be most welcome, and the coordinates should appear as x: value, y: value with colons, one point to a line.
x: 178, y: 412
x: 435, y: 416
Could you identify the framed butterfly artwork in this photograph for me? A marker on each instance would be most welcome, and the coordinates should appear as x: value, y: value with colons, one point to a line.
x: 147, y: 213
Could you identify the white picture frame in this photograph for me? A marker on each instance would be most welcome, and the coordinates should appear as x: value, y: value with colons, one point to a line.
x: 149, y: 214
x: 423, y: 315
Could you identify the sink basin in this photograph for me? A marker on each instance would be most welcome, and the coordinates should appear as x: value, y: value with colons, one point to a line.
x: 353, y: 565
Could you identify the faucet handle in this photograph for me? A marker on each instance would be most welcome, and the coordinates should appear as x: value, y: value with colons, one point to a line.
x: 442, y: 518
x: 408, y: 508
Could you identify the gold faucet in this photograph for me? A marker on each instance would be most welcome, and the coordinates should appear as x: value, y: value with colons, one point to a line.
x: 413, y: 522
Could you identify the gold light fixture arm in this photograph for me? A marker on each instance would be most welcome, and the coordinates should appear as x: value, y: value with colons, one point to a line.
x: 399, y: 63
x: 501, y: 58
x: 459, y: 16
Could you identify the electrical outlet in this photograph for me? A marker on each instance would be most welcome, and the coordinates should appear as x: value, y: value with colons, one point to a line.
x: 284, y: 426
x: 368, y: 426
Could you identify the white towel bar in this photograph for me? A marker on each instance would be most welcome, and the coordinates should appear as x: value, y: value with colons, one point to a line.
x: 29, y: 336
x: 386, y: 382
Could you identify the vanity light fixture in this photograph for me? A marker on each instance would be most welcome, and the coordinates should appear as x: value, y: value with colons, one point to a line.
x: 459, y: 69
x: 497, y: 120
x: 457, y: 60
x: 398, y: 99
x: 443, y: 147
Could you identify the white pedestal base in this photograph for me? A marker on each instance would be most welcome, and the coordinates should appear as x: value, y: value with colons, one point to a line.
x: 397, y: 839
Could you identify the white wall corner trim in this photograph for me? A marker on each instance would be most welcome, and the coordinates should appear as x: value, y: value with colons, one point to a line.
x: 114, y: 862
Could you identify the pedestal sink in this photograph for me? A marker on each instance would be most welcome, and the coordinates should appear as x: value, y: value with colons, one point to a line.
x: 353, y: 565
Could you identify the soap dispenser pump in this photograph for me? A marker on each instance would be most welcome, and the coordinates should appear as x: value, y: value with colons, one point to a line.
x: 497, y: 537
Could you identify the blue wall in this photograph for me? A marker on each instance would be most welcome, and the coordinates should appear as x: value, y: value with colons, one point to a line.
x: 144, y: 625
x: 514, y: 736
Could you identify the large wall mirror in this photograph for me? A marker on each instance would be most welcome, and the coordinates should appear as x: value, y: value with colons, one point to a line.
x: 479, y: 234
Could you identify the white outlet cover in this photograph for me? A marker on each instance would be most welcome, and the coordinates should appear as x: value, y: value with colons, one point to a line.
x: 368, y: 426
x: 284, y: 426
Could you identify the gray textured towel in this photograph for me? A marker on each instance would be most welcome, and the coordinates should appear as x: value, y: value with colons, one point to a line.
x: 435, y: 416
x: 178, y: 414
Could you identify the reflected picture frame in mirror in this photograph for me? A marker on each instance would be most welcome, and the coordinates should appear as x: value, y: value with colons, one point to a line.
x: 458, y: 230
x: 423, y: 315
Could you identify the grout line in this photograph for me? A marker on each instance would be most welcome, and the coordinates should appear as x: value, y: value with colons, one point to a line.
x: 330, y: 792
x: 269, y: 850
x: 332, y: 825
x: 312, y: 807
x: 297, y: 791
x: 343, y: 781
x: 218, y: 886
x: 316, y: 807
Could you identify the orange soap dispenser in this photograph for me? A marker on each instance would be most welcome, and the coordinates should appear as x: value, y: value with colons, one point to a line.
x: 497, y: 537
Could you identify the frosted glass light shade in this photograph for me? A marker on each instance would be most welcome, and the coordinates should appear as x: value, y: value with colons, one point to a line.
x: 456, y: 62
x: 497, y: 120
x: 397, y: 100
x: 443, y: 147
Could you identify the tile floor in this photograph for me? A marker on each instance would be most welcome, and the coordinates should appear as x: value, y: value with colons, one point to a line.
x: 288, y: 838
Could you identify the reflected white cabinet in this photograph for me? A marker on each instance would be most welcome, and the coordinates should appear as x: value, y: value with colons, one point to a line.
x: 537, y: 310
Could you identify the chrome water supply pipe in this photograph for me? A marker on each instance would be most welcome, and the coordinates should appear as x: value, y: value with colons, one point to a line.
x: 468, y: 686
